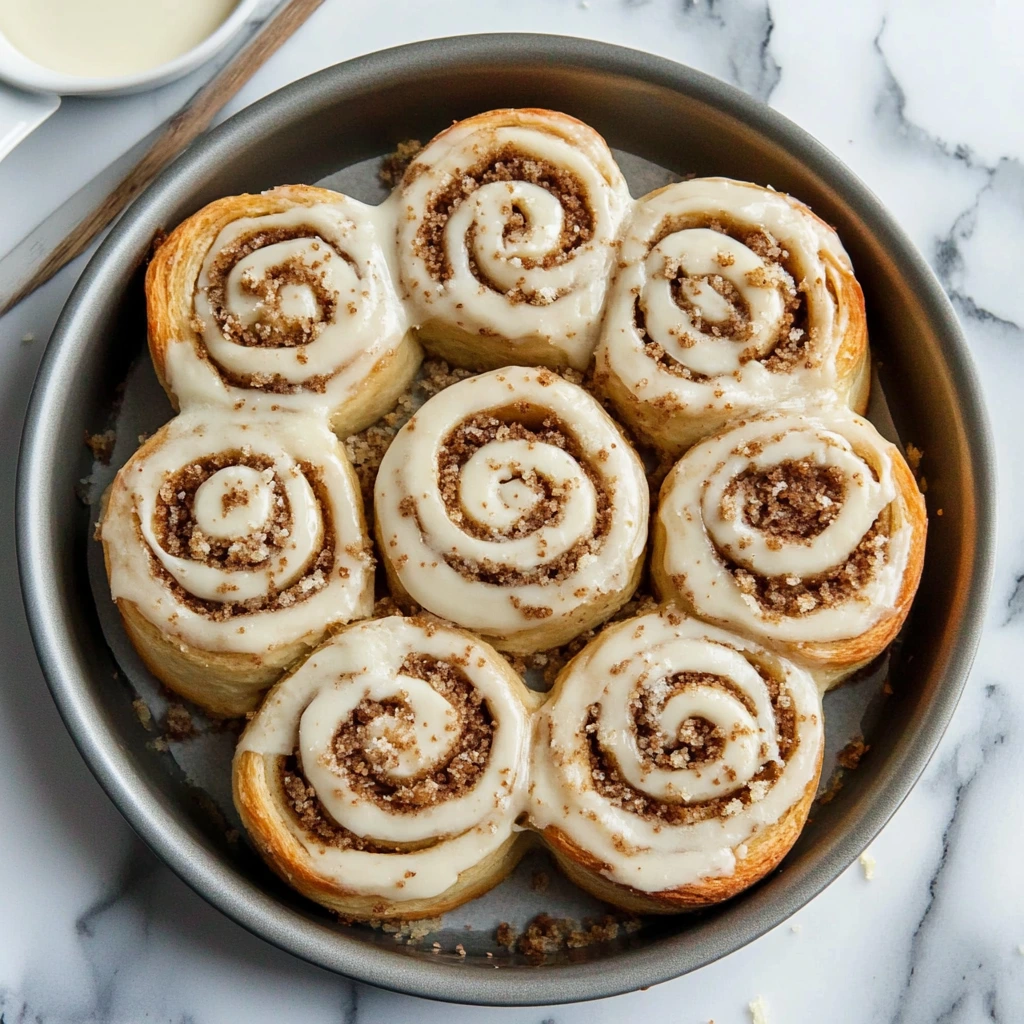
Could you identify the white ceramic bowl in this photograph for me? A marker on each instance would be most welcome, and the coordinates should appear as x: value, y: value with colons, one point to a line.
x: 19, y: 70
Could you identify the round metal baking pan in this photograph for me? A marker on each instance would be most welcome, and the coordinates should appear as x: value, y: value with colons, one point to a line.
x: 676, y: 118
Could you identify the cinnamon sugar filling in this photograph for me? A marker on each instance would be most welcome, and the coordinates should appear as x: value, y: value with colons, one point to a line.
x: 180, y: 536
x: 509, y: 165
x: 274, y: 328
x: 475, y: 433
x: 792, y: 596
x: 795, y: 341
x: 697, y: 743
x: 364, y: 764
x: 792, y: 503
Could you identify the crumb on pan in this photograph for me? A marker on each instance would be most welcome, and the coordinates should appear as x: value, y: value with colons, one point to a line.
x: 143, y: 713
x: 850, y: 756
x: 394, y: 164
x: 545, y: 935
x: 101, y: 445
x: 178, y: 724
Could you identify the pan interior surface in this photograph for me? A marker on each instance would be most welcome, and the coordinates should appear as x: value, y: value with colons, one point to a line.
x: 648, y: 108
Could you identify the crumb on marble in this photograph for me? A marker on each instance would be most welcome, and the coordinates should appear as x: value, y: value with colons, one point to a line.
x: 758, y: 1011
x: 867, y: 862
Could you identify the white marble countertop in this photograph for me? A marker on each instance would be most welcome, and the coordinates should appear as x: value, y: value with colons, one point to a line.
x: 922, y: 98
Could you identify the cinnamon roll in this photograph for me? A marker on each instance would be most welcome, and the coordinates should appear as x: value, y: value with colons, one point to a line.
x: 507, y: 231
x: 729, y: 299
x: 512, y: 505
x: 674, y: 764
x: 382, y: 778
x: 806, y: 532
x: 232, y: 548
x: 281, y: 301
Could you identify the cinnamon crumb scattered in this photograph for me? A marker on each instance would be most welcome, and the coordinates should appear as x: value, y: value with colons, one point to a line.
x: 914, y: 456
x: 545, y: 936
x: 394, y: 164
x: 540, y: 881
x: 143, y: 713
x: 178, y: 724
x: 835, y: 784
x: 101, y: 445
x: 850, y: 756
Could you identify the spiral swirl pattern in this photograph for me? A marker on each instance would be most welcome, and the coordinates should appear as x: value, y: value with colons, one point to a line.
x: 787, y: 526
x: 294, y: 305
x: 409, y: 739
x: 667, y: 745
x: 511, y: 503
x: 239, y: 536
x: 510, y: 234
x: 729, y: 298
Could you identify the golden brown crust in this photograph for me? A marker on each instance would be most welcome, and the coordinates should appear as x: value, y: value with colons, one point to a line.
x: 464, y: 348
x: 170, y: 291
x: 263, y: 810
x: 672, y: 429
x: 223, y: 683
x: 172, y: 273
x: 765, y: 851
x: 833, y: 661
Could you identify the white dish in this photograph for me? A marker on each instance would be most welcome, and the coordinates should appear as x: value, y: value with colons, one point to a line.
x: 21, y: 71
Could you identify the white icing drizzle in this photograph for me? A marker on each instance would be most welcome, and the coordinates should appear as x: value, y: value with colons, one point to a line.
x: 344, y: 257
x: 304, y: 712
x: 736, y: 380
x: 341, y: 592
x: 706, y: 529
x: 496, y: 489
x: 637, y: 659
x: 559, y: 304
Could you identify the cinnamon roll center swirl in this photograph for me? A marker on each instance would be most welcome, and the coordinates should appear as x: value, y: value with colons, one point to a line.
x: 229, y: 510
x: 505, y: 482
x: 791, y: 502
x: 232, y: 541
x: 731, y: 284
x: 540, y: 212
x: 272, y: 288
x: 689, y: 742
x: 386, y: 758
